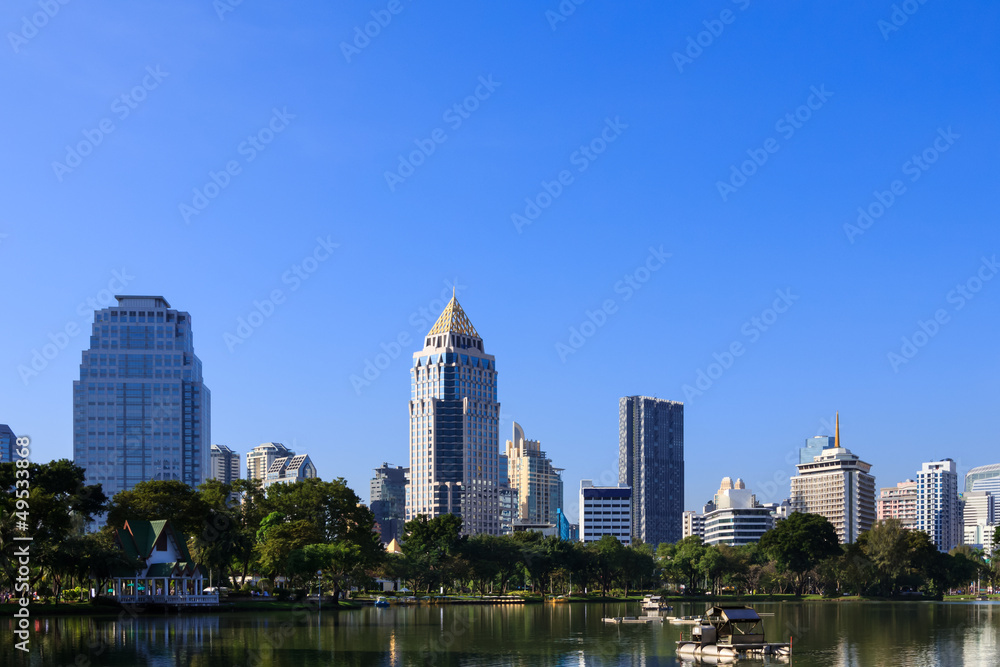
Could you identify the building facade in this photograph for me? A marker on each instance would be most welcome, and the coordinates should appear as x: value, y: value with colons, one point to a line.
x: 734, y: 516
x: 837, y: 485
x: 7, y: 442
x: 938, y: 512
x: 651, y: 463
x: 289, y: 469
x: 141, y: 410
x: 455, y: 460
x: 261, y: 457
x: 815, y: 446
x: 692, y: 523
x: 538, y: 485
x: 899, y: 502
x: 605, y: 510
x: 225, y: 464
x: 387, y: 500
x: 983, y: 478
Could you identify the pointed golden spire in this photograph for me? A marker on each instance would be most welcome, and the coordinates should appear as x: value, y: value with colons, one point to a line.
x: 453, y: 320
x: 836, y: 438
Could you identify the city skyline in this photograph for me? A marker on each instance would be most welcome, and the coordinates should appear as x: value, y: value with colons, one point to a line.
x: 790, y: 217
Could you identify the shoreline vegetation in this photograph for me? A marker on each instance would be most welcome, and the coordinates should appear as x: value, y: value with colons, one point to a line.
x: 282, y: 545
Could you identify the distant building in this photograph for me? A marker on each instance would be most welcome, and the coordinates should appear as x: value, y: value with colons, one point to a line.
x: 605, y: 510
x: 937, y: 504
x: 507, y: 498
x: 545, y: 529
x: 736, y: 517
x: 692, y: 523
x: 567, y: 531
x: 815, y: 446
x: 141, y: 410
x: 7, y: 442
x: 538, y: 485
x: 290, y: 469
x: 837, y: 485
x: 388, y: 500
x: 780, y: 510
x: 899, y: 502
x: 260, y: 458
x: 980, y: 519
x: 651, y: 463
x: 225, y: 464
x: 983, y: 478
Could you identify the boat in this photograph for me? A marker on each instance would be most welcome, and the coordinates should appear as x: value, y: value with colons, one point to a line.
x: 654, y: 603
x: 380, y: 601
x: 729, y: 633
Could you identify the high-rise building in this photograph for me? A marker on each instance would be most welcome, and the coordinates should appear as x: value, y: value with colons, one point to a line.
x: 605, y: 510
x: 815, y: 446
x: 289, y: 469
x: 937, y: 504
x: 734, y: 516
x: 837, y: 485
x: 387, y: 500
x: 899, y: 502
x: 981, y: 515
x: 692, y: 523
x: 567, y: 531
x: 983, y: 478
x: 262, y: 457
x: 538, y: 485
x: 455, y: 460
x: 141, y: 410
x: 651, y: 463
x: 225, y: 464
x: 7, y: 442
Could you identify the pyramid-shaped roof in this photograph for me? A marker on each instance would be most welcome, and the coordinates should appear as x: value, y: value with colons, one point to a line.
x: 453, y: 320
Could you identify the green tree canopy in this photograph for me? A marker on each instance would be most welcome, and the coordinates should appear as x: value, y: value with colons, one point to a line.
x: 160, y: 499
x: 798, y: 543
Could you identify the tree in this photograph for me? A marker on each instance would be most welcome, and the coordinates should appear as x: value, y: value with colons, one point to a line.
x: 481, y: 553
x: 160, y: 499
x: 280, y: 540
x: 608, y: 557
x: 885, y: 545
x: 338, y: 562
x: 799, y: 543
x: 685, y: 561
x: 432, y: 545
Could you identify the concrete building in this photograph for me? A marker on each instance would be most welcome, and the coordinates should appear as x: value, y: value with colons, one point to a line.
x: 734, y: 516
x: 387, y: 500
x: 141, y: 410
x: 7, y: 442
x: 899, y: 502
x: 538, y: 485
x: 455, y: 455
x: 981, y: 515
x: 692, y: 523
x: 605, y: 510
x: 837, y: 485
x: 508, y: 509
x: 983, y: 478
x: 938, y: 512
x: 225, y: 464
x: 289, y: 469
x: 651, y: 463
x: 261, y: 457
x: 815, y: 446
x: 567, y: 531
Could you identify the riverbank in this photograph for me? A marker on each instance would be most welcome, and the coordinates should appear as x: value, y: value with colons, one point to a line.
x: 227, y: 606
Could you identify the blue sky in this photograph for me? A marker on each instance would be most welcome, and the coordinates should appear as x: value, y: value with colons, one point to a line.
x: 247, y: 139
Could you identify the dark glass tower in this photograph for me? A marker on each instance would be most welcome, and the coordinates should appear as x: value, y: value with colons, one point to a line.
x: 651, y: 462
x: 140, y: 408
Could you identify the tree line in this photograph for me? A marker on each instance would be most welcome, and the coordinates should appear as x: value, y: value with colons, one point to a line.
x: 292, y: 531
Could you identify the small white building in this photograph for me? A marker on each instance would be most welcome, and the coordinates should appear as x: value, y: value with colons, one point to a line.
x: 605, y: 510
x: 734, y: 516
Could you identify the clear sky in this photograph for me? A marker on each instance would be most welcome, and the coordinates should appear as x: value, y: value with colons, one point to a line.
x: 681, y: 173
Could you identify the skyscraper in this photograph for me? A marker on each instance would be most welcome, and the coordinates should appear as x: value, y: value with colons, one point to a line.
x: 261, y: 457
x: 937, y: 504
x: 388, y: 500
x: 225, y: 464
x: 454, y: 433
x: 651, y: 463
x: 538, y: 485
x: 7, y: 442
x: 815, y: 446
x: 837, y: 485
x: 141, y: 410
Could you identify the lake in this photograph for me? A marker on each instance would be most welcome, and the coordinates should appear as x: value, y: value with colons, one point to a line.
x: 825, y: 633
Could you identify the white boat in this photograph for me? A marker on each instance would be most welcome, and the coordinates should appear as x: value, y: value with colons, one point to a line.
x: 380, y: 601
